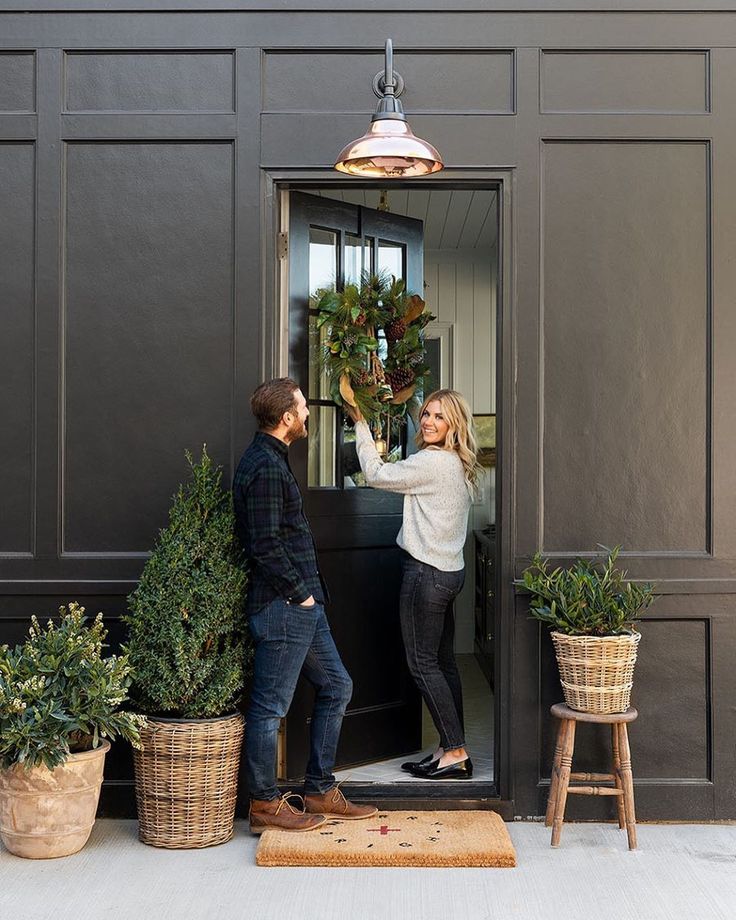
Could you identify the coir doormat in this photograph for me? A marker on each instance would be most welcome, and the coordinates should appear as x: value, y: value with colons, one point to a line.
x: 395, y: 838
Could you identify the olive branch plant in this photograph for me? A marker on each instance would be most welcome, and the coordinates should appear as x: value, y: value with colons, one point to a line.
x: 592, y: 597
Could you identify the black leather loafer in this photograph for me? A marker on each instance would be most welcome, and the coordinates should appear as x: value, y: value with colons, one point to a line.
x: 411, y: 765
x: 462, y: 770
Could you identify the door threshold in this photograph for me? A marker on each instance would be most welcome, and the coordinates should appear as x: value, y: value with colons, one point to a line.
x: 462, y: 796
x: 450, y: 795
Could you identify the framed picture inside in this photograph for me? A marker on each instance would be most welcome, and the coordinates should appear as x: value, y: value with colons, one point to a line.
x: 485, y: 433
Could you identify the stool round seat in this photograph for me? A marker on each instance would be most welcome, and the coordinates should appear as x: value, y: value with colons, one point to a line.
x: 619, y: 782
x: 562, y: 711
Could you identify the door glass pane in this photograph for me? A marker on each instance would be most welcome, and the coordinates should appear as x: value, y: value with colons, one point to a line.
x: 391, y: 258
x: 353, y: 259
x: 319, y: 383
x: 322, y: 259
x: 369, y: 260
x: 322, y: 446
x: 382, y: 350
x: 323, y: 262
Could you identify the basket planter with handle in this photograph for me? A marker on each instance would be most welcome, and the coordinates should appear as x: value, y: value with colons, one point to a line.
x: 186, y: 781
x: 591, y: 610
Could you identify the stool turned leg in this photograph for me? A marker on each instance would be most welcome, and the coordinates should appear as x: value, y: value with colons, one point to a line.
x: 627, y: 780
x: 564, y: 782
x: 617, y: 776
x: 555, y: 777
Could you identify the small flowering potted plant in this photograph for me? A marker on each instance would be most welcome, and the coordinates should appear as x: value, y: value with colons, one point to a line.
x: 60, y: 704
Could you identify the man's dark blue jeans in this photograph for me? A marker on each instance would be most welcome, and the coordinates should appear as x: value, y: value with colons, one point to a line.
x: 290, y: 640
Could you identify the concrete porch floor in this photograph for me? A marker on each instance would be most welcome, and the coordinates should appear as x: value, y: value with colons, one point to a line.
x: 679, y: 872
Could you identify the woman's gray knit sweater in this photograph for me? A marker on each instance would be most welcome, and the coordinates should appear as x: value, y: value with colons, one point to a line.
x: 436, y: 499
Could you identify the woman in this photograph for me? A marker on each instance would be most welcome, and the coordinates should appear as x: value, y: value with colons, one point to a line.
x: 438, y: 483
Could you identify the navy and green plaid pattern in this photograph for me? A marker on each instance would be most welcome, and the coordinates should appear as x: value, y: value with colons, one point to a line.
x: 271, y: 526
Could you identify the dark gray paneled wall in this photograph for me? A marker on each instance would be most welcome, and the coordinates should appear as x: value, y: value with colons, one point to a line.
x: 132, y: 154
x: 17, y: 82
x: 16, y: 342
x: 472, y: 82
x: 149, y: 82
x: 148, y: 318
x: 625, y: 235
x: 626, y: 82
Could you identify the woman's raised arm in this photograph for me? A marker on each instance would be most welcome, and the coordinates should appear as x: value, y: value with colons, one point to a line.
x: 414, y: 476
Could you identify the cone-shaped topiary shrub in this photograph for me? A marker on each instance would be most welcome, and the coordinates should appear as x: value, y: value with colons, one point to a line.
x: 187, y: 640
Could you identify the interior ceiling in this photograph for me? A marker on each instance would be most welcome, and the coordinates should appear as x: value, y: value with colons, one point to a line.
x: 452, y: 219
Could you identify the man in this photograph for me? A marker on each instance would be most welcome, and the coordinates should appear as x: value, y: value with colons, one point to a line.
x: 285, y: 606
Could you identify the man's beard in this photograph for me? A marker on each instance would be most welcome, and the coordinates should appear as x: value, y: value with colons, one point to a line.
x: 297, y: 430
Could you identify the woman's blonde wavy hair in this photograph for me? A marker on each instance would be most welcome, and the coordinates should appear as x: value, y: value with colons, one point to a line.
x: 460, y: 435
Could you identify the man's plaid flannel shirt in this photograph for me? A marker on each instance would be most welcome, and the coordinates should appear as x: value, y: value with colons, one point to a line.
x: 272, y: 528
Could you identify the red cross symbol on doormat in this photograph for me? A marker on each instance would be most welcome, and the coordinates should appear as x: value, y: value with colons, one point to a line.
x: 382, y: 830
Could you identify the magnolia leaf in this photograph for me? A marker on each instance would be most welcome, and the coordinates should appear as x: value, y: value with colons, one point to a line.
x: 346, y: 391
x: 416, y: 308
x: 329, y: 302
x: 403, y: 395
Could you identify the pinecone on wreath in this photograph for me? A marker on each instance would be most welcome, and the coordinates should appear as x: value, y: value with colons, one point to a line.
x: 396, y: 330
x: 363, y: 378
x: 400, y: 378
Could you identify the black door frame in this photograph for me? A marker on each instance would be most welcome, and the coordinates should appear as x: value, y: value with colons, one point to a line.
x: 499, y: 793
x: 383, y: 720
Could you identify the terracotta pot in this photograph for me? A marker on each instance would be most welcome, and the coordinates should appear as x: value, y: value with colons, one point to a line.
x: 48, y: 813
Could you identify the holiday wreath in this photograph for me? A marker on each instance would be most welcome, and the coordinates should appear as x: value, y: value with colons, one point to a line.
x: 373, y: 353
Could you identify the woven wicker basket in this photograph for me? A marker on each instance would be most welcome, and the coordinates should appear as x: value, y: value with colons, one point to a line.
x: 186, y: 780
x: 597, y: 672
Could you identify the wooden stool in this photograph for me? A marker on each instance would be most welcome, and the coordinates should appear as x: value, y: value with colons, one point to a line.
x: 621, y: 777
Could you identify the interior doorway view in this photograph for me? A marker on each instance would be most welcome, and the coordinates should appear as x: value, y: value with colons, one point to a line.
x: 444, y: 244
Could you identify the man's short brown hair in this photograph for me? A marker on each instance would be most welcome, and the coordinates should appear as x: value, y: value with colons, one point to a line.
x: 271, y: 399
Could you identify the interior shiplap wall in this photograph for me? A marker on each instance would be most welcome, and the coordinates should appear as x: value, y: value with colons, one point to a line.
x: 460, y: 289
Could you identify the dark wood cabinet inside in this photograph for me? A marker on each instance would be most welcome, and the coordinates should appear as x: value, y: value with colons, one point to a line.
x: 485, y: 597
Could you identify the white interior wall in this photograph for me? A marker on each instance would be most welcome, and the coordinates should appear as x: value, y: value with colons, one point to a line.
x: 460, y: 289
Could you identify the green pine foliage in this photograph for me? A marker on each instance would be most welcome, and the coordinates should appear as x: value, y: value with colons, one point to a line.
x: 590, y: 598
x: 187, y: 630
x: 58, y: 695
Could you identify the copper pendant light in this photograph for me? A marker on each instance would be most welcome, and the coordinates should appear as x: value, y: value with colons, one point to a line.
x: 389, y: 149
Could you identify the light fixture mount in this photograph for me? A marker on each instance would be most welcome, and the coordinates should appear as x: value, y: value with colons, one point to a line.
x: 379, y: 83
x: 389, y: 149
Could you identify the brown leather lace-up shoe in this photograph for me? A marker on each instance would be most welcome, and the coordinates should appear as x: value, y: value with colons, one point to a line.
x: 333, y: 804
x: 281, y: 814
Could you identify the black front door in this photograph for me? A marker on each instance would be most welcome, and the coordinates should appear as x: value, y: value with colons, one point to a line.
x: 330, y: 244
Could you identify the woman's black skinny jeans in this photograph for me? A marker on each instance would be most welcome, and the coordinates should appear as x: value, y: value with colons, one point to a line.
x: 428, y: 629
